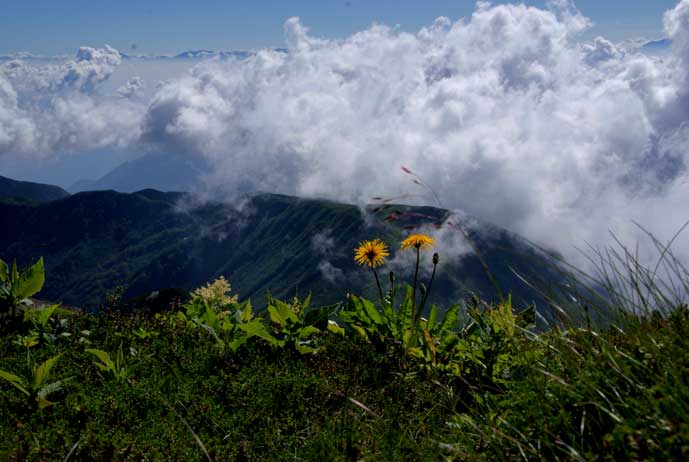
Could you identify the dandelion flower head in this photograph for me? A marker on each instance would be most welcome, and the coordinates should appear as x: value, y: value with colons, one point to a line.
x: 418, y: 241
x: 371, y: 253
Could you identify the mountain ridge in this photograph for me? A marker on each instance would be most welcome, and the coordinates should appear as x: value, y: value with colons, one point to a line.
x: 93, y: 242
x: 29, y: 191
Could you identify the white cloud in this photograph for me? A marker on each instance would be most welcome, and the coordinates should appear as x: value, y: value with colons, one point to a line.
x: 505, y: 114
x: 329, y: 272
x: 47, y: 107
x: 133, y: 88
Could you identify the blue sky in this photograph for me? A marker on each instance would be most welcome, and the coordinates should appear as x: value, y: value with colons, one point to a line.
x: 159, y: 26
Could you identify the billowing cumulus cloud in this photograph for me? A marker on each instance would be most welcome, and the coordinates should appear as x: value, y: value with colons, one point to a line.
x: 133, y: 88
x: 47, y: 107
x: 506, y: 115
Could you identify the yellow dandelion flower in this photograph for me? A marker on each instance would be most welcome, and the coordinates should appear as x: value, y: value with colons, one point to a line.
x: 417, y: 241
x: 371, y: 253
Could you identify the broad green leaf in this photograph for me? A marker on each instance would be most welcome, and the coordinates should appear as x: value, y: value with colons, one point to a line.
x: 14, y: 277
x: 408, y: 338
x: 391, y: 318
x: 450, y: 320
x: 430, y: 343
x: 4, y: 272
x: 319, y: 316
x: 44, y: 314
x: 406, y: 310
x: 31, y: 280
x: 41, y: 373
x: 281, y: 313
x: 107, y: 363
x: 247, y: 313
x: 308, y: 331
x: 360, y: 331
x: 238, y: 342
x: 371, y: 311
x: 17, y: 381
x: 104, y: 367
x: 334, y: 328
x: 209, y: 318
x: 416, y: 353
x: 447, y: 342
x: 256, y: 328
x: 305, y: 349
x: 432, y: 317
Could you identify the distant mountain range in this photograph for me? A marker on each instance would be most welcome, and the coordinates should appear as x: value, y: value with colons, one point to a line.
x: 164, y: 172
x: 652, y: 46
x: 93, y: 242
x: 26, y: 191
x: 184, y: 55
x: 201, y: 54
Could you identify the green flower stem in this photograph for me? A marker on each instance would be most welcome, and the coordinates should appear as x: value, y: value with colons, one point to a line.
x: 430, y: 284
x: 380, y: 291
x: 413, y: 296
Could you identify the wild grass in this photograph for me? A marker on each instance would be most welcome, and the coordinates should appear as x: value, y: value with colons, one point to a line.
x: 608, y: 381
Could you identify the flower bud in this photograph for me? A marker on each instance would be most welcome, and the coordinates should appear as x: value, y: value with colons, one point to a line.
x: 436, y: 257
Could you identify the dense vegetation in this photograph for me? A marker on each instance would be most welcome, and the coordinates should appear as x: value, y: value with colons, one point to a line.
x: 214, y: 379
x: 94, y: 242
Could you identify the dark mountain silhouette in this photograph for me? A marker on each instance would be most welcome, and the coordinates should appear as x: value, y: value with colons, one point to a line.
x: 28, y: 191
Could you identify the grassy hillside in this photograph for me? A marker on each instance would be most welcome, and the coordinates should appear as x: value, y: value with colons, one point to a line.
x: 218, y: 378
x: 175, y: 391
x: 94, y: 242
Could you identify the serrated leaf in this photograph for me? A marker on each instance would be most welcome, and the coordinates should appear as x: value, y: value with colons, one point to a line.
x: 432, y: 317
x: 371, y: 311
x: 281, y: 313
x: 238, y: 342
x: 450, y: 320
x: 247, y: 313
